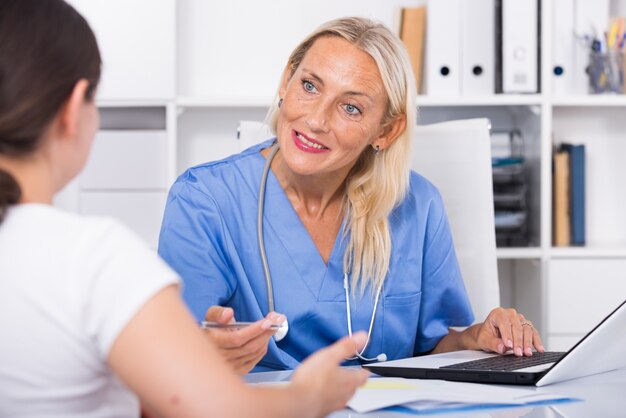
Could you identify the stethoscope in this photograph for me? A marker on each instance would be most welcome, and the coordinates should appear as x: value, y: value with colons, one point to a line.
x: 284, y: 329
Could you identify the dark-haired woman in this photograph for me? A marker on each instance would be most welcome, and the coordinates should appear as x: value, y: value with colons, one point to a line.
x: 88, y: 315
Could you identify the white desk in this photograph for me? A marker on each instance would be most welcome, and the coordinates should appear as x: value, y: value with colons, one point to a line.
x: 603, y: 396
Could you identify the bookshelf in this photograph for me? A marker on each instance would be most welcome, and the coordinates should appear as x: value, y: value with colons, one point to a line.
x: 192, y: 70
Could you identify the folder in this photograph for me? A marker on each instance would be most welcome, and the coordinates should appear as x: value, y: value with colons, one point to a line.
x: 519, y: 46
x: 577, y: 191
x: 478, y: 47
x: 591, y: 19
x: 412, y: 31
x: 560, y: 207
x: 563, y: 43
x: 443, y: 50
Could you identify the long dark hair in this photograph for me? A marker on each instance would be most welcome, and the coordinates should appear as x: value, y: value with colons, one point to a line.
x: 46, y: 47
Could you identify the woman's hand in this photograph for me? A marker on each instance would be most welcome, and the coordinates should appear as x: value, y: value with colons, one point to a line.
x: 506, y: 329
x: 322, y: 383
x: 242, y: 348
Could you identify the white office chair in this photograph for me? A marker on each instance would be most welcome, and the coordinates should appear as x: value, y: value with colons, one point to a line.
x: 456, y: 157
x: 251, y: 132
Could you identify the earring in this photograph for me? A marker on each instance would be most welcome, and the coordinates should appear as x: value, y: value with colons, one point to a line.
x: 377, y: 150
x: 280, y: 102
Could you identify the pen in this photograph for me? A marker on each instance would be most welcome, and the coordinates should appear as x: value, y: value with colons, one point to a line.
x: 231, y: 325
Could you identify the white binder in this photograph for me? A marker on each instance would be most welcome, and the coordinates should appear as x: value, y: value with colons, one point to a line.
x: 591, y: 19
x: 443, y: 50
x: 520, y: 71
x: 478, y: 47
x: 563, y: 44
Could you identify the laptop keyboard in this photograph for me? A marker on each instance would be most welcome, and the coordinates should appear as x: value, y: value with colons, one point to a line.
x: 507, y: 362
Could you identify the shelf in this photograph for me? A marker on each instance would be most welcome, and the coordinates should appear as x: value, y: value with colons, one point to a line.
x: 200, y: 102
x: 518, y: 253
x: 588, y: 252
x: 599, y: 100
x: 133, y: 103
x: 494, y: 100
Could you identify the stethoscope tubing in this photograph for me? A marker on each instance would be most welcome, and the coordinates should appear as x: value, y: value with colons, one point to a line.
x: 268, y: 278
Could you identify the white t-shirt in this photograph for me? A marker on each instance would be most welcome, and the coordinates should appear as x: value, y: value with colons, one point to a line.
x: 68, y: 286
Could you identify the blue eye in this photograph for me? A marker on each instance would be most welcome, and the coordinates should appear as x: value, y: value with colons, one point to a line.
x: 352, y: 109
x: 308, y: 86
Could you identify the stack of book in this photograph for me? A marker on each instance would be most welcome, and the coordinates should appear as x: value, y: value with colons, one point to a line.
x: 569, y: 195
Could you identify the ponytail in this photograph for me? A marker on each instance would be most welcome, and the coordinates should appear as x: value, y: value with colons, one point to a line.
x: 10, y: 193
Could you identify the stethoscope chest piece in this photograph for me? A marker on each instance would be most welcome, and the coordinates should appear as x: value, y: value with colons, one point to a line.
x: 282, y: 331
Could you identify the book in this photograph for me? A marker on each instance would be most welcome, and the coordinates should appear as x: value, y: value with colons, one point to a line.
x: 412, y: 34
x: 560, y: 207
x: 577, y: 192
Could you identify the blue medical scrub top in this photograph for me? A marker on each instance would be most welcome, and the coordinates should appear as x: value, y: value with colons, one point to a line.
x: 209, y: 237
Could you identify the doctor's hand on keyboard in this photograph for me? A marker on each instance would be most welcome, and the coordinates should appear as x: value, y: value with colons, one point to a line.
x: 242, y: 347
x: 506, y: 329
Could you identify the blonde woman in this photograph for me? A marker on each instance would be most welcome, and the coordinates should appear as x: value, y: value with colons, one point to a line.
x: 350, y: 238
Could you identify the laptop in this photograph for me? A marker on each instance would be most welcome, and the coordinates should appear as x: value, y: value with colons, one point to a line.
x: 601, y: 350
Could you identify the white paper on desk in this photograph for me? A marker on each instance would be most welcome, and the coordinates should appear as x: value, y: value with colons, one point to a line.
x: 384, y: 392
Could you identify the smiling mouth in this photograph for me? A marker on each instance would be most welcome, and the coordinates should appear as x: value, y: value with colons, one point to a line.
x: 309, y: 143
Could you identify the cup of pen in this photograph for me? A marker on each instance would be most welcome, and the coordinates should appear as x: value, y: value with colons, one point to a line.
x: 606, y: 72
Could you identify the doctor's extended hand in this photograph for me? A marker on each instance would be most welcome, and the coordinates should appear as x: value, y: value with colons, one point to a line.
x: 507, y: 329
x: 320, y: 379
x: 242, y: 348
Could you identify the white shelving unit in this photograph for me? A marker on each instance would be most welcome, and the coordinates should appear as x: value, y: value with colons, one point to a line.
x: 193, y: 69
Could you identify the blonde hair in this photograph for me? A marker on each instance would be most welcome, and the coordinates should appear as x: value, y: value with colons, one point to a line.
x: 377, y: 183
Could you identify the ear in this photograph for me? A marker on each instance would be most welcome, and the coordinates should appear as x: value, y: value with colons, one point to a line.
x: 390, y: 132
x: 69, y: 115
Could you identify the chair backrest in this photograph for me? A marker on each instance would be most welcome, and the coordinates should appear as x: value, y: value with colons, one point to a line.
x: 456, y: 157
x: 250, y: 132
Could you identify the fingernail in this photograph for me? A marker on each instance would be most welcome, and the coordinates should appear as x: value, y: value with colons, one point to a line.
x: 281, y: 319
x: 529, y: 352
x: 509, y: 343
x: 500, y: 348
x: 266, y: 324
x: 223, y: 314
x: 541, y: 349
x: 272, y: 316
x: 518, y: 351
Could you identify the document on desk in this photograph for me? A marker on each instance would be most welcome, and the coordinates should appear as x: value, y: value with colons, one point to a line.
x: 430, y: 395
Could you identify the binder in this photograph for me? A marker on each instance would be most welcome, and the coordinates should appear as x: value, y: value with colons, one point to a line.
x: 412, y: 34
x: 560, y: 208
x: 563, y: 43
x: 577, y: 191
x: 443, y: 37
x: 591, y: 19
x: 520, y: 48
x: 478, y: 47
